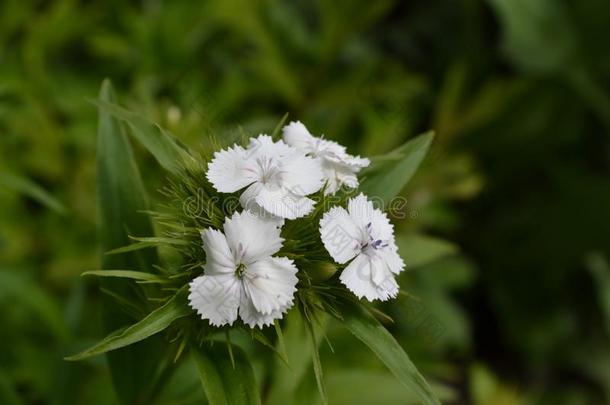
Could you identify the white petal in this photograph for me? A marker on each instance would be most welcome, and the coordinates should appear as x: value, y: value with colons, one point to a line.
x: 340, y: 170
x: 354, y: 163
x: 336, y: 176
x: 270, y: 283
x: 282, y: 203
x: 228, y: 171
x: 302, y: 175
x: 263, y: 146
x: 392, y: 258
x: 253, y: 318
x: 329, y: 149
x: 247, y: 199
x: 368, y: 217
x: 251, y: 238
x: 361, y: 210
x: 358, y: 162
x: 332, y: 184
x: 340, y: 235
x: 367, y: 276
x: 381, y: 228
x: 347, y: 179
x: 248, y: 202
x: 295, y: 134
x: 216, y: 298
x: 219, y: 259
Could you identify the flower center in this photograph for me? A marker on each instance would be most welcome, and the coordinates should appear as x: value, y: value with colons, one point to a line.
x: 371, y: 243
x: 239, y: 271
x: 268, y: 170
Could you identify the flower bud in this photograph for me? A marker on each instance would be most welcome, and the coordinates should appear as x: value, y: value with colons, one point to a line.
x: 321, y: 271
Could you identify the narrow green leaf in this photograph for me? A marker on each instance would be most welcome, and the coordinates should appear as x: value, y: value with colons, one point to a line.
x: 155, y: 322
x: 317, y: 364
x: 260, y: 337
x: 222, y: 383
x: 126, y: 305
x: 29, y: 188
x: 169, y: 152
x: 278, y: 128
x: 389, y: 174
x: 341, y: 383
x: 130, y: 274
x: 368, y: 330
x: 144, y: 243
x: 230, y: 348
x: 281, y: 345
x: 121, y: 201
x: 286, y: 379
x: 183, y: 386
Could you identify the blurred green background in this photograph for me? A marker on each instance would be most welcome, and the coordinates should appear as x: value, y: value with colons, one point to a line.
x: 515, y: 309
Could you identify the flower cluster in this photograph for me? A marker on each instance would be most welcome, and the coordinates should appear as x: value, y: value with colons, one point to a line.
x: 243, y: 275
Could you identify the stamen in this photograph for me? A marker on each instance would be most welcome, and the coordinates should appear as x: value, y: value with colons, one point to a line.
x: 239, y: 271
x: 379, y: 244
x: 268, y: 169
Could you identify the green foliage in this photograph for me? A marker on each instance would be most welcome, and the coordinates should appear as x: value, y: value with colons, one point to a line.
x: 382, y: 343
x: 531, y: 26
x: 226, y: 380
x: 388, y: 174
x: 317, y: 364
x: 418, y: 250
x: 7, y: 394
x: 129, y: 274
x: 516, y: 92
x: 541, y: 36
x: 38, y: 304
x: 155, y: 322
x: 168, y: 152
x: 121, y: 197
x: 302, y: 243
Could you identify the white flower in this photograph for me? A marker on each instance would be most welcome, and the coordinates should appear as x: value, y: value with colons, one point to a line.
x: 364, y: 234
x: 339, y: 167
x: 241, y: 276
x: 278, y: 177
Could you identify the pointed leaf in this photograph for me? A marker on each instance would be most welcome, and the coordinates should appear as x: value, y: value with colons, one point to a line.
x: 145, y: 243
x: 389, y: 174
x: 317, y: 364
x: 286, y: 380
x: 260, y: 337
x: 170, y: 153
x: 281, y: 345
x: 133, y: 275
x: 276, y: 134
x: 368, y: 330
x: 155, y: 322
x: 121, y: 200
x: 222, y: 383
